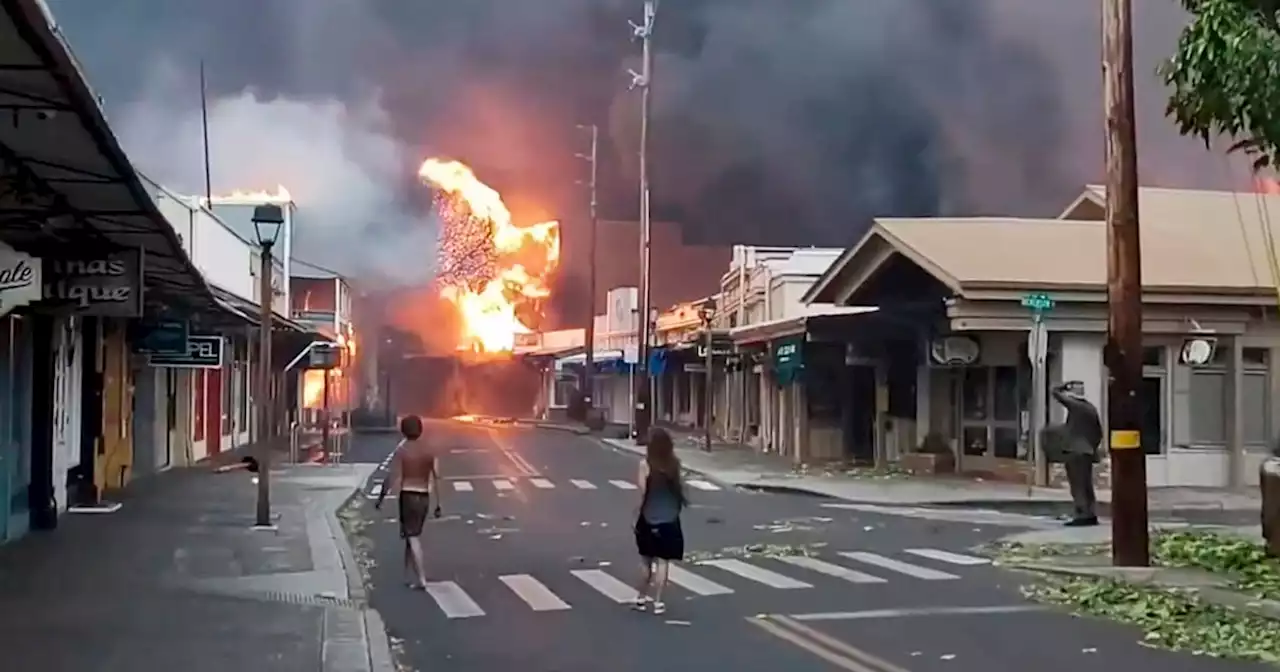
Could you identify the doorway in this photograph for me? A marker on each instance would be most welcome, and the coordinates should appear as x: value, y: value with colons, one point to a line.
x: 213, y: 411
x: 860, y: 430
x: 1152, y: 414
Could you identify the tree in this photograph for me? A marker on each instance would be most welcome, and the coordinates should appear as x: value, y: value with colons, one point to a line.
x: 1225, y: 76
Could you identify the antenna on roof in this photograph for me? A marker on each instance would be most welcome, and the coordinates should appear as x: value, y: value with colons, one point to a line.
x: 204, y: 125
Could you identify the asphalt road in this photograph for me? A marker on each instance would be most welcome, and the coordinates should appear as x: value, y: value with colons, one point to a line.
x: 530, y: 561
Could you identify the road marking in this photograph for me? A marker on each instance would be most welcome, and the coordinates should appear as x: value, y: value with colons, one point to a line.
x: 453, y: 600
x: 806, y: 644
x: 703, y: 485
x: 856, y: 659
x: 607, y: 585
x: 876, y: 614
x: 463, y: 486
x: 694, y: 583
x: 898, y: 566
x: 542, y: 483
x: 536, y: 595
x: 582, y: 485
x: 503, y: 484
x: 757, y: 574
x: 376, y: 491
x: 949, y: 557
x: 829, y: 569
x: 625, y: 485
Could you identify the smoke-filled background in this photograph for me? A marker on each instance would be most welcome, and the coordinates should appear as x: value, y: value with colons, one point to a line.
x: 776, y: 122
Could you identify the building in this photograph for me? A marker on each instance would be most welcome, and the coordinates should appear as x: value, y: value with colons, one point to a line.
x: 949, y: 341
x: 321, y: 299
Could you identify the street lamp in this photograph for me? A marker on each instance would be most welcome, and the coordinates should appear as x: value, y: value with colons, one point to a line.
x: 706, y: 312
x: 268, y: 219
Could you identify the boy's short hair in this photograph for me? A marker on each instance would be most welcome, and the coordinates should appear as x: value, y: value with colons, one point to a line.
x: 411, y: 427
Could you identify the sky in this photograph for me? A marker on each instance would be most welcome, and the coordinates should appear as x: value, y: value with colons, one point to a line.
x: 774, y: 122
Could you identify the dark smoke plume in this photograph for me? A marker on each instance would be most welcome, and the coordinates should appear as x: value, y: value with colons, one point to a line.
x: 775, y: 121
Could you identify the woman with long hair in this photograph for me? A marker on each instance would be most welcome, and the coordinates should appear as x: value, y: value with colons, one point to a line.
x: 659, y: 537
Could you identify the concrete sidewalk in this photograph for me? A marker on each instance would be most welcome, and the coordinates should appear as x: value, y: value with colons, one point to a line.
x: 738, y: 466
x: 178, y: 579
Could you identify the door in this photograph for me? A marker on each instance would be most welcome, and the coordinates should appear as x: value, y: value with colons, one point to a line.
x: 170, y: 414
x: 213, y: 411
x: 860, y: 432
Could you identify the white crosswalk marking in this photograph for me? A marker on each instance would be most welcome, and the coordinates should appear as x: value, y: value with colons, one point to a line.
x: 757, y: 574
x: 830, y: 569
x: 582, y: 485
x: 376, y: 491
x: 503, y: 484
x: 536, y: 595
x: 625, y: 485
x: 542, y: 483
x: 453, y: 600
x: 463, y: 486
x: 949, y: 557
x: 703, y: 485
x: 696, y: 584
x: 607, y: 585
x: 898, y: 566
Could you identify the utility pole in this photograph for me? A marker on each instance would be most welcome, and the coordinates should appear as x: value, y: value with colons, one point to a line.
x: 588, y: 374
x: 1129, y: 542
x: 644, y: 80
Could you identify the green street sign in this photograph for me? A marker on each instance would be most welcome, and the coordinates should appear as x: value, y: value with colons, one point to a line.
x: 1037, y: 302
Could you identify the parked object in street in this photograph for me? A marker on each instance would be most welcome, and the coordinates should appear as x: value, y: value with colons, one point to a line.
x: 1269, y: 481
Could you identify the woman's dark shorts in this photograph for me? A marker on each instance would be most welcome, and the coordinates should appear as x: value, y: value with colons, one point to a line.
x: 663, y: 541
x: 414, y: 507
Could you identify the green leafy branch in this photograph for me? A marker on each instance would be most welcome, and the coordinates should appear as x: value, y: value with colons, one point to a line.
x: 1225, y: 76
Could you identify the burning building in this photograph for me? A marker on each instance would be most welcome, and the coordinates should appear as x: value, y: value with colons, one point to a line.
x: 493, y: 279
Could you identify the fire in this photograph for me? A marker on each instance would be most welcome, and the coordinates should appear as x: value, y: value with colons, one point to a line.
x: 313, y: 388
x: 492, y: 270
x: 280, y: 196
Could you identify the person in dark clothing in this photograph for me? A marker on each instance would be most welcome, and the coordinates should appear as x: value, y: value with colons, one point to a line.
x: 659, y: 537
x: 1082, y: 435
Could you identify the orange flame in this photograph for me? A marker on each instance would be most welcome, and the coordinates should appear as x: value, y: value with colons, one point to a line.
x: 523, y: 259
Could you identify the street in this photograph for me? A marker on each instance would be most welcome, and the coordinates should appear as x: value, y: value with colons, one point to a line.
x: 531, y: 560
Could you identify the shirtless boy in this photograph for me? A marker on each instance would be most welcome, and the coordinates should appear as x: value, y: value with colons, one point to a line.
x: 415, y: 474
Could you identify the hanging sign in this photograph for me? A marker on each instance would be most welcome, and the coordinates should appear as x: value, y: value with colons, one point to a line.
x: 20, y: 282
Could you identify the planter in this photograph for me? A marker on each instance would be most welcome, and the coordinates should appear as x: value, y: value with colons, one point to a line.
x: 929, y: 463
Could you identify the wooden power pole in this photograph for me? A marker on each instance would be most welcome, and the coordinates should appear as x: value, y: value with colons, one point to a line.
x: 1129, y: 543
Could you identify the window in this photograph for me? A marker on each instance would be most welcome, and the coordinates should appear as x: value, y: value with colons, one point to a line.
x: 1209, y: 399
x: 991, y: 404
x: 1208, y: 407
x: 566, y: 384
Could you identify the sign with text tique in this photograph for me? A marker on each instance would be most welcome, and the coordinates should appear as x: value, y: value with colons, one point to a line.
x: 203, y: 352
x: 107, y: 285
x: 20, y: 282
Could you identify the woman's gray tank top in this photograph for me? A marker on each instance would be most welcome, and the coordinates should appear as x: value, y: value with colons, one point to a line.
x: 661, y: 502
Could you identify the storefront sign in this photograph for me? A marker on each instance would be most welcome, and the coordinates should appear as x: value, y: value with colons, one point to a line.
x: 203, y: 352
x: 954, y: 351
x: 788, y: 360
x: 20, y: 282
x: 324, y: 356
x: 160, y: 338
x: 109, y: 286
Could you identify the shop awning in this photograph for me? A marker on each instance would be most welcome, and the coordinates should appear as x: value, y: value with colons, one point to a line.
x: 70, y: 189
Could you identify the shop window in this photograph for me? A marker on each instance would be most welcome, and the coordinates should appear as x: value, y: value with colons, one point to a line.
x: 228, y: 378
x: 991, y: 402
x: 565, y: 386
x: 1208, y: 407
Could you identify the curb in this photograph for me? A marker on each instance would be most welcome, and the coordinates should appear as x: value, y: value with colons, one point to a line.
x: 380, y: 657
x: 356, y: 589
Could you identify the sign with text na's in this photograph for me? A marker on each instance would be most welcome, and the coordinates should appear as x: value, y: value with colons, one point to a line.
x: 104, y: 285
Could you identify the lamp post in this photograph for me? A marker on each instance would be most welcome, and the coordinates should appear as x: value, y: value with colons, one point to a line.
x: 268, y: 219
x: 706, y: 312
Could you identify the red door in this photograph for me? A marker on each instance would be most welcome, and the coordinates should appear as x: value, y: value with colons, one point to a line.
x: 213, y: 411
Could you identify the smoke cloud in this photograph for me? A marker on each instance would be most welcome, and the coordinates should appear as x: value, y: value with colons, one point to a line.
x: 774, y: 122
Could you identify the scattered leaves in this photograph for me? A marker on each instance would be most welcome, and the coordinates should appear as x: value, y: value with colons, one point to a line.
x: 1171, y: 619
x: 756, y: 550
x: 1245, y: 561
